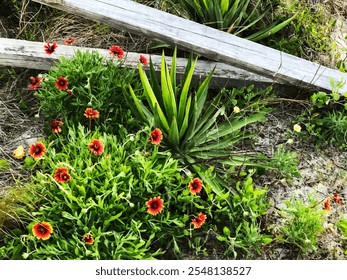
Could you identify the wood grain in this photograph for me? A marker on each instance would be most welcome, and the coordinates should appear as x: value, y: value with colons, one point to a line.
x: 209, y: 42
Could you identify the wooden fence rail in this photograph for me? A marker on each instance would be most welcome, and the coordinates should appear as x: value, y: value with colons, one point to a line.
x: 209, y: 42
x: 28, y: 54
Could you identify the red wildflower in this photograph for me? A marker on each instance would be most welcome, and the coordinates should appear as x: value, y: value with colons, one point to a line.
x: 96, y: 147
x: 156, y: 136
x: 62, y: 175
x: 155, y: 205
x: 88, y: 238
x: 337, y: 198
x: 143, y: 60
x: 195, y: 186
x: 327, y: 204
x: 49, y: 49
x: 199, y: 220
x: 70, y: 41
x: 91, y: 114
x: 69, y: 92
x: 34, y: 82
x: 116, y: 50
x: 55, y: 126
x: 37, y: 150
x: 62, y: 83
x: 42, y: 230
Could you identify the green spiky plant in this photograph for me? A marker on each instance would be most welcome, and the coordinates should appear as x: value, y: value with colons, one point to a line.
x: 234, y: 16
x: 193, y: 126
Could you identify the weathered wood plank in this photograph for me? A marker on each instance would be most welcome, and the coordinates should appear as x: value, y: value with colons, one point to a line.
x: 27, y: 54
x: 209, y: 42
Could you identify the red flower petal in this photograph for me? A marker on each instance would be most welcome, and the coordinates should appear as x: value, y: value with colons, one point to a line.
x: 156, y: 136
x: 327, y: 204
x: 91, y: 114
x: 49, y: 49
x: 62, y: 175
x: 199, y: 220
x: 37, y: 150
x: 96, y: 147
x: 337, y: 198
x: 70, y: 41
x: 34, y: 82
x: 55, y: 126
x: 88, y: 238
x: 62, y: 83
x: 143, y: 60
x: 42, y: 230
x: 155, y: 205
x: 116, y: 51
x: 195, y: 186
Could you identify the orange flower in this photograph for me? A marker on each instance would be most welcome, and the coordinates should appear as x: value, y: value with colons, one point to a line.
x: 62, y: 175
x: 62, y: 83
x: 116, y: 51
x: 55, y: 126
x: 37, y: 150
x: 195, y: 186
x: 49, y: 49
x: 42, y: 230
x: 88, y: 238
x: 155, y: 205
x: 34, y: 82
x: 337, y: 198
x: 199, y: 220
x: 327, y: 204
x: 143, y: 60
x: 70, y: 41
x: 96, y: 147
x: 156, y: 136
x: 91, y: 114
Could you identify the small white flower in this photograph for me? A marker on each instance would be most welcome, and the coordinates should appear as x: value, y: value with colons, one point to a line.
x: 236, y: 110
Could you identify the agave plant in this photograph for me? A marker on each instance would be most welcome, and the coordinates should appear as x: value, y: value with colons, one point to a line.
x: 194, y: 128
x: 234, y: 16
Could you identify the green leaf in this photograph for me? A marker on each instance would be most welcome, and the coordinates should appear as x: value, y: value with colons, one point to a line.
x: 230, y: 127
x: 185, y: 122
x: 173, y: 133
x: 68, y: 216
x: 221, y: 238
x: 167, y: 91
x: 184, y: 93
x: 4, y: 165
x: 173, y: 70
x: 226, y: 231
x: 111, y: 219
x: 224, y: 6
x: 151, y: 98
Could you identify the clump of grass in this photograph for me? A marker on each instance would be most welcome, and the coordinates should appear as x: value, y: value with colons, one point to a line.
x: 302, y: 224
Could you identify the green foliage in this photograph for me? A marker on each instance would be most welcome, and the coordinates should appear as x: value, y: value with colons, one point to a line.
x: 242, y: 229
x: 308, y: 32
x: 193, y: 127
x: 342, y: 226
x: 93, y: 83
x: 326, y: 119
x: 242, y: 18
x: 248, y: 99
x: 106, y: 196
x: 285, y: 162
x: 302, y: 224
x: 4, y: 165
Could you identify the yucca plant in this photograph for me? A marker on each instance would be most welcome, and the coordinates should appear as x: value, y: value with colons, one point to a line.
x: 193, y: 127
x: 234, y: 16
